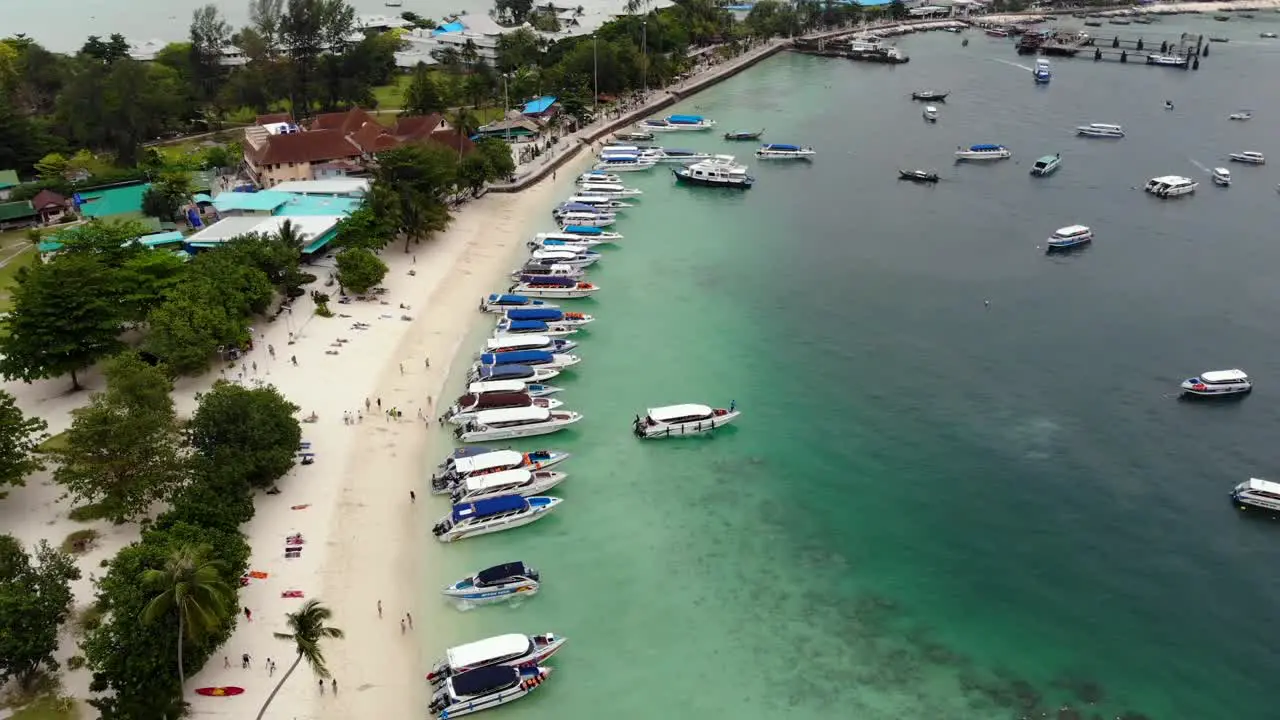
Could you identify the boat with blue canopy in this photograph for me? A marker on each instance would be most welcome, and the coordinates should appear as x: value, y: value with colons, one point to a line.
x: 527, y: 341
x: 532, y: 358
x: 549, y: 315
x: 585, y: 230
x: 689, y: 122
x: 984, y: 151
x: 592, y: 217
x: 497, y: 302
x: 553, y: 287
x: 495, y: 584
x: 527, y: 373
x: 533, y: 327
x: 492, y: 515
x: 782, y: 151
x: 558, y: 241
x: 624, y: 163
x: 485, y: 688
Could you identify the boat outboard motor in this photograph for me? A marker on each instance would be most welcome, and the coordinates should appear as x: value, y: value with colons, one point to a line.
x: 438, y: 530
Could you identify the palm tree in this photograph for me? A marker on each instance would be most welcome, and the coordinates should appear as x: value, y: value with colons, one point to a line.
x: 290, y: 235
x: 308, y: 626
x: 190, y: 584
x: 463, y: 122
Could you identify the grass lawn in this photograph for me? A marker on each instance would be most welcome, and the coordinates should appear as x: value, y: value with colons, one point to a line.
x: 55, y: 442
x: 392, y: 96
x: 48, y: 708
x: 22, y: 259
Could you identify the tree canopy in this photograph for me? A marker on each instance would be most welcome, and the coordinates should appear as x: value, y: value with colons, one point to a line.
x: 246, y: 434
x: 19, y: 436
x: 35, y: 599
x: 359, y: 270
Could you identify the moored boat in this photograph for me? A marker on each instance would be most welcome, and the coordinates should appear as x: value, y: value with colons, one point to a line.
x: 593, y: 218
x: 744, y: 134
x: 596, y: 202
x: 495, y: 584
x: 515, y: 371
x: 624, y: 163
x: 1047, y: 165
x: 520, y: 481
x: 531, y: 358
x: 500, y: 302
x: 1258, y: 493
x: 513, y: 650
x: 1241, y: 115
x: 1248, y: 157
x: 507, y: 326
x: 676, y: 420
x: 493, y: 515
x: 1069, y: 237
x: 633, y: 136
x: 715, y: 174
x: 606, y: 189
x: 454, y: 470
x: 1101, y: 130
x: 1218, y: 383
x: 550, y: 315
x: 598, y: 176
x: 486, y: 387
x: 1221, y: 176
x: 561, y: 242
x: 578, y: 233
x: 486, y: 688
x: 931, y: 95
x: 518, y: 342
x: 923, y: 176
x: 1167, y: 186
x: 656, y: 126
x: 550, y: 286
x: 469, y: 406
x: 985, y: 151
x: 930, y: 113
x: 782, y: 151
x: 515, y: 422
x: 541, y: 267
x: 689, y: 122
x: 1169, y: 60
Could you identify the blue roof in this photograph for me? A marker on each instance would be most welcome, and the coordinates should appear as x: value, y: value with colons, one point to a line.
x: 684, y: 118
x: 305, y: 205
x: 452, y: 27
x: 164, y: 238
x: 202, y: 198
x: 505, y: 299
x: 505, y: 372
x: 538, y: 105
x: 526, y: 325
x: 265, y: 201
x: 984, y: 146
x: 540, y: 314
x: 582, y: 230
x: 781, y: 146
x: 579, y: 207
x: 557, y: 280
x: 516, y: 357
x: 491, y: 506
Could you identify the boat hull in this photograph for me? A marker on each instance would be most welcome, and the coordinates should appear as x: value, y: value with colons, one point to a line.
x: 661, y: 430
x: 572, y: 293
x: 466, y: 591
x: 487, y: 434
x: 501, y: 308
x: 737, y: 184
x: 462, y: 416
x: 530, y: 679
x: 540, y: 485
x: 443, y: 482
x: 544, y: 646
x: 462, y: 531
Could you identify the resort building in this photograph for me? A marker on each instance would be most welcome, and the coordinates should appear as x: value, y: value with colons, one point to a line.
x: 18, y: 214
x: 316, y: 230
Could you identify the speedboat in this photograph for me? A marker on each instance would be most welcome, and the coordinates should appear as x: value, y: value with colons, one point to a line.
x: 518, y: 342
x: 541, y: 267
x: 1248, y: 156
x: 1102, y: 130
x: 507, y: 326
x: 930, y: 113
x: 678, y: 155
x: 489, y: 387
x: 1069, y: 236
x: 779, y: 151
x: 633, y: 136
x: 1221, y: 176
x: 598, y: 176
x: 1242, y: 115
x: 997, y: 32
x: 520, y: 481
x: 573, y: 258
x: 550, y: 316
x: 513, y: 650
x: 1219, y: 39
x: 550, y: 286
x: 562, y: 241
x: 532, y: 358
x: 1047, y: 165
x: 661, y: 422
x: 744, y: 135
x: 515, y: 422
x: 515, y: 371
x: 715, y: 174
x: 1041, y: 74
x: 454, y: 470
x: 598, y: 201
x: 983, y: 152
x: 499, y: 302
x: 590, y: 219
x: 468, y: 406
x: 1168, y: 60
x: 1267, y: 35
x: 624, y: 163
x: 1216, y: 383
x: 486, y: 688
x: 578, y: 233
x: 1257, y: 493
x: 495, y: 584
x: 493, y: 515
x: 689, y: 122
x: 931, y: 95
x: 1167, y: 186
x: 606, y: 189
x: 923, y: 176
x: 656, y: 126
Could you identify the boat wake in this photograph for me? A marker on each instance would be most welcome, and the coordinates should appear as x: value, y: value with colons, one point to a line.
x: 1202, y: 167
x: 1013, y: 64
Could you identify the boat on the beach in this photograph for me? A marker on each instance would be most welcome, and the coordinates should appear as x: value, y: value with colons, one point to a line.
x: 1167, y: 186
x: 1047, y: 165
x: 624, y: 163
x: 675, y: 420
x: 635, y: 136
x: 1100, y: 130
x: 518, y: 342
x: 486, y: 387
x: 1218, y: 383
x: 931, y: 95
x: 1069, y: 237
x: 985, y: 151
x: 930, y: 113
x: 515, y: 371
x: 744, y: 134
x: 468, y: 406
x: 689, y: 122
x: 486, y: 688
x: 456, y: 469
x: 1041, y: 73
x: 782, y: 151
x: 1248, y: 157
x: 495, y: 584
x: 1242, y: 115
x: 605, y: 189
x: 715, y: 174
x: 507, y: 326
x: 512, y: 650
x: 1221, y: 176
x: 520, y: 481
x: 596, y: 218
x: 920, y: 176
x: 1257, y: 493
x: 550, y: 315
x: 598, y: 176
x: 550, y: 286
x: 514, y: 423
x: 532, y: 358
x: 500, y: 302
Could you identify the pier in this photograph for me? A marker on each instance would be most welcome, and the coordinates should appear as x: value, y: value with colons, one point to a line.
x: 1183, y: 52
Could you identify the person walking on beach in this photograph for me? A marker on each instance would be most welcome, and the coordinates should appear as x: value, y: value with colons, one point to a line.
x: 248, y: 614
x: 401, y: 368
x: 401, y: 626
x: 427, y: 362
x: 226, y: 662
x: 334, y: 684
x: 271, y: 668
x: 322, y: 686
x: 294, y: 359
x: 271, y: 350
x: 413, y: 498
x: 410, y: 618
x: 366, y: 403
x: 244, y: 661
x: 379, y: 403
x: 379, y: 609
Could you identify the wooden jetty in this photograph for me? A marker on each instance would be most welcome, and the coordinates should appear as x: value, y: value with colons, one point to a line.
x: 1184, y: 52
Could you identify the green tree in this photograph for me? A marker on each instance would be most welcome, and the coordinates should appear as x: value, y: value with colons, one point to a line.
x: 369, y: 226
x: 473, y: 172
x: 519, y: 48
x: 64, y: 319
x: 464, y: 123
x: 422, y: 97
x: 146, y: 279
x: 898, y: 10
x: 190, y: 587
x: 35, y: 599
x: 308, y: 628
x: 359, y: 270
x: 186, y: 330
x: 419, y: 178
x: 513, y: 12
x: 19, y: 436
x: 308, y: 28
x: 51, y: 166
x: 209, y: 34
x: 168, y: 195
x: 246, y: 434
x: 123, y: 451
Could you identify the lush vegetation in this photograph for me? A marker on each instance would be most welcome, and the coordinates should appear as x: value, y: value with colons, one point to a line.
x: 20, y: 437
x: 35, y: 599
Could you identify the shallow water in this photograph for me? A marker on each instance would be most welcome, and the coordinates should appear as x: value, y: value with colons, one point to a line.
x: 931, y: 507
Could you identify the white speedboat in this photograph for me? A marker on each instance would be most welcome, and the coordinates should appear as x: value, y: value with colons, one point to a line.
x: 520, y: 481
x: 782, y: 151
x: 515, y: 371
x: 656, y: 126
x: 486, y: 688
x: 1169, y: 60
x: 598, y: 176
x: 511, y: 650
x: 495, y: 584
x: 1101, y: 130
x: 624, y: 163
x: 515, y: 422
x: 1248, y: 156
x: 715, y: 174
x: 1069, y: 237
x: 531, y: 358
x: 1257, y: 493
x: 492, y: 515
x: 1216, y: 383
x: 575, y: 244
x: 608, y: 189
x: 537, y: 267
x: 457, y: 469
x: 549, y: 286
x: 1042, y: 74
x: 1167, y: 186
x: 582, y: 233
x: 586, y: 218
x: 985, y: 151
x: 498, y: 302
x: 469, y: 406
x: 680, y: 155
x: 1242, y: 115
x: 551, y: 316
x: 675, y: 420
x: 599, y: 202
x: 517, y: 342
x: 1266, y: 35
x: 930, y: 113
x: 507, y: 326
x: 1047, y: 165
x: 689, y: 122
x: 573, y: 258
x: 1221, y: 176
x: 486, y: 387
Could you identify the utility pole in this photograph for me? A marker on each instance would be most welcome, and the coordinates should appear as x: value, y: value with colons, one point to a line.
x: 506, y: 107
x: 595, y: 73
x: 644, y: 58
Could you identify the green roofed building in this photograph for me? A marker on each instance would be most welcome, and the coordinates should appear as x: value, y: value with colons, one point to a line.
x: 18, y: 215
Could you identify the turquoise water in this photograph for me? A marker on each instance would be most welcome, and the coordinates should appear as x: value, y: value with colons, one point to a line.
x: 931, y: 508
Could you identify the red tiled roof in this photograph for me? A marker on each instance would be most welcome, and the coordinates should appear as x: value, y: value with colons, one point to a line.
x: 451, y: 139
x: 309, y: 147
x: 367, y: 136
x: 347, y: 121
x: 46, y: 199
x: 272, y: 118
x: 417, y: 126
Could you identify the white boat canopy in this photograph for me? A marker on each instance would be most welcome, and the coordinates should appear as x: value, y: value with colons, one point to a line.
x: 506, y: 478
x: 1071, y: 230
x: 487, y: 461
x: 675, y: 412
x: 532, y: 413
x: 492, y: 386
x: 517, y: 341
x: 1221, y: 376
x: 497, y: 648
x: 1258, y: 484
